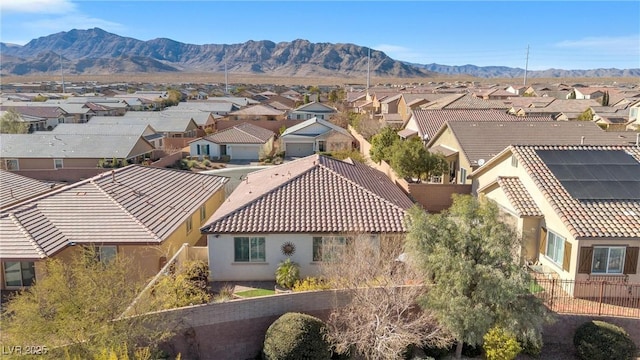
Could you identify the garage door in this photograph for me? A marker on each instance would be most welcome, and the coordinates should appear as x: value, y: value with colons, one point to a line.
x: 240, y: 152
x: 299, y: 149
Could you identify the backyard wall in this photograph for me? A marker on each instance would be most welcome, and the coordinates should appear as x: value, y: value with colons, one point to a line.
x: 235, y: 329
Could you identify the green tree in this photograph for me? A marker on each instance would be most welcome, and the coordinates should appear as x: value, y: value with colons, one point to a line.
x: 467, y: 252
x: 586, y: 115
x: 382, y: 144
x: 411, y: 159
x: 306, y: 99
x: 572, y: 95
x: 296, y: 336
x: 605, y: 99
x: 11, y: 123
x: 73, y: 308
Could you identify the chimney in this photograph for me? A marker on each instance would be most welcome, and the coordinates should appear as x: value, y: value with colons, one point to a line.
x: 582, y: 140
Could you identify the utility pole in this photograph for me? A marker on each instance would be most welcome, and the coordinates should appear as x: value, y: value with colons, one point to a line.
x: 526, y: 66
x: 226, y: 79
x: 62, y: 73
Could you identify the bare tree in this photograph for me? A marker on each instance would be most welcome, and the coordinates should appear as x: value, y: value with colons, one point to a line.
x: 382, y: 318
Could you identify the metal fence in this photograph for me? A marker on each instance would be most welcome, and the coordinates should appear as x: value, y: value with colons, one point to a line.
x: 592, y: 297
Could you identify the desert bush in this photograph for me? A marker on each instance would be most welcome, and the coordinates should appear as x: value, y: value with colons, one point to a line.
x: 532, y: 343
x: 500, y: 345
x: 600, y: 340
x: 310, y: 284
x: 296, y: 336
x: 287, y: 273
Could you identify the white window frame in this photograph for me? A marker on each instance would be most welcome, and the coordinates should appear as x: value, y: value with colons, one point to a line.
x: 203, y: 212
x: 555, y: 248
x: 463, y: 175
x: 55, y: 164
x: 607, y: 270
x: 189, y: 225
x: 256, y: 247
x: 6, y: 164
x: 29, y: 264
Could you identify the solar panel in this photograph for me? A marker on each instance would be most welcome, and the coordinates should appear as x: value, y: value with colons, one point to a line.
x: 595, y: 174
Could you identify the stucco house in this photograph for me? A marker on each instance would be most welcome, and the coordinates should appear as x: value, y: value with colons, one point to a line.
x: 244, y: 141
x: 305, y: 208
x: 468, y: 145
x: 315, y: 135
x: 143, y: 212
x: 577, y: 208
x: 311, y: 110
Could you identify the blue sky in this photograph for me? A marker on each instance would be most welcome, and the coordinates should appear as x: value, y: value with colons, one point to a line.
x: 563, y: 35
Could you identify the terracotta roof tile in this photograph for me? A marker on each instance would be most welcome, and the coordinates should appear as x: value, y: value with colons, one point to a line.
x: 519, y: 197
x: 134, y: 204
x: 15, y: 188
x: 244, y: 133
x: 618, y: 218
x: 313, y: 194
x: 430, y: 121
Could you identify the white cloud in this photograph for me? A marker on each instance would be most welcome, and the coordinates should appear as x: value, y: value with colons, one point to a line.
x: 401, y: 53
x: 75, y: 21
x: 37, y: 6
x: 619, y: 45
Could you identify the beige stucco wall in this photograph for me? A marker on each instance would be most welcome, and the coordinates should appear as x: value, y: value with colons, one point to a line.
x: 47, y: 163
x: 448, y: 139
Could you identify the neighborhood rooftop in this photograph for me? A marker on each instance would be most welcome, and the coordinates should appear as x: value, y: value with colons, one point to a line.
x: 313, y: 194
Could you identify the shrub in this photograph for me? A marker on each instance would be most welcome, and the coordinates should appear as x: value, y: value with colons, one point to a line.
x: 500, y: 345
x: 532, y: 345
x: 310, y: 284
x: 296, y: 336
x: 599, y: 340
x: 287, y: 273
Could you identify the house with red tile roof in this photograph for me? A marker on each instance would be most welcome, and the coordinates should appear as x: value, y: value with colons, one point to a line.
x: 244, y: 141
x: 577, y: 208
x: 143, y: 212
x: 303, y: 208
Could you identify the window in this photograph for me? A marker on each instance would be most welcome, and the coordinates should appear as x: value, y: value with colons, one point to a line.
x: 57, y: 163
x: 203, y: 212
x: 106, y: 253
x: 326, y: 248
x: 514, y: 161
x: 463, y: 175
x: 19, y: 273
x: 555, y: 247
x: 189, y: 225
x: 608, y: 260
x: 203, y: 149
x: 249, y: 249
x: 322, y: 146
x: 11, y: 164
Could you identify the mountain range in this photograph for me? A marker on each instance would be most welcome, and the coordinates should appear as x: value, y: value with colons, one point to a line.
x: 95, y: 51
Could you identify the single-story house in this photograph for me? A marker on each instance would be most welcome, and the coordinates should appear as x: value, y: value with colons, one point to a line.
x: 577, y: 208
x: 315, y: 135
x: 311, y: 110
x: 303, y: 209
x: 244, y: 141
x: 143, y: 212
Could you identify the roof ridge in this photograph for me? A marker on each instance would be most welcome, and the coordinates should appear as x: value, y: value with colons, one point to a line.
x: 27, y: 234
x: 127, y: 212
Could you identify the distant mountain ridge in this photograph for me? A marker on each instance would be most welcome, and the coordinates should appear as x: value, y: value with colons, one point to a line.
x: 95, y: 51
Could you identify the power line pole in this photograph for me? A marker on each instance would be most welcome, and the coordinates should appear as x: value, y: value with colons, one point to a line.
x: 526, y: 66
x: 62, y: 73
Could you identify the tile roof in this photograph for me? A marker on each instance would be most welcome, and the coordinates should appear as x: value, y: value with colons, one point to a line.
x: 430, y: 121
x: 518, y: 196
x: 258, y: 110
x: 15, y: 188
x: 328, y: 125
x: 244, y: 133
x: 99, y: 129
x: 61, y: 146
x: 583, y: 218
x: 48, y: 112
x: 161, y: 121
x: 484, y: 140
x: 467, y: 101
x: 134, y: 204
x: 314, y: 194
